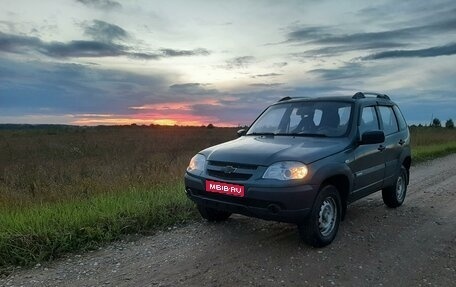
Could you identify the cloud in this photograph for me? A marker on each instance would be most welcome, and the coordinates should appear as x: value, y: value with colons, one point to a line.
x: 280, y: 64
x: 330, y: 41
x: 30, y: 87
x: 267, y: 75
x: 84, y: 49
x: 239, y: 62
x: 179, y: 53
x: 445, y: 50
x: 349, y: 70
x: 101, y: 4
x: 335, y: 50
x: 265, y: 85
x: 105, y: 32
x: 309, y: 33
x: 326, y: 35
x: 192, y: 89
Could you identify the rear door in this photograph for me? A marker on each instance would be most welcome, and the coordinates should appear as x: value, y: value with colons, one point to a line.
x: 394, y: 140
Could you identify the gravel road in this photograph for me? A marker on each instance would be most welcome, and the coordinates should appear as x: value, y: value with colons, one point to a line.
x: 414, y: 245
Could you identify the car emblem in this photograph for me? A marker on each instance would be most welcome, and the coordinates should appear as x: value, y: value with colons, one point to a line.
x: 229, y: 169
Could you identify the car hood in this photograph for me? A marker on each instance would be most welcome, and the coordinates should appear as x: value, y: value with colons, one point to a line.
x: 265, y: 150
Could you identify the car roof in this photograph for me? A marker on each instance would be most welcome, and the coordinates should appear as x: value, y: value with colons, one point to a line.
x: 356, y: 98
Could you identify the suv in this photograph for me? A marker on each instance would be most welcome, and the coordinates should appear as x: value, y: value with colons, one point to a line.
x: 303, y: 160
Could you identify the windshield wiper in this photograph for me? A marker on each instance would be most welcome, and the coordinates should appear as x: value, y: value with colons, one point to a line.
x: 307, y: 135
x: 262, y: 134
x: 289, y: 134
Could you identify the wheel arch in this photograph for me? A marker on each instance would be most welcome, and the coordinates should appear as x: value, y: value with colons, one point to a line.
x: 342, y: 183
x: 407, y: 162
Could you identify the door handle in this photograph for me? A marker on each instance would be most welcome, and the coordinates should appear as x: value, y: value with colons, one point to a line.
x: 381, y: 147
x: 401, y: 142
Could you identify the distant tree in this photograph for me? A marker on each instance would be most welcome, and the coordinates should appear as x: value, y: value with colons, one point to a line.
x: 449, y: 124
x: 420, y: 125
x: 436, y: 123
x: 210, y: 126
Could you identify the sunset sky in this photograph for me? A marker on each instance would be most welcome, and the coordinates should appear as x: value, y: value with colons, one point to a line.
x: 90, y: 62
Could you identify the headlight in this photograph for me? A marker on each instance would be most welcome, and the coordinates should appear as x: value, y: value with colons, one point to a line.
x: 197, y: 164
x: 286, y: 170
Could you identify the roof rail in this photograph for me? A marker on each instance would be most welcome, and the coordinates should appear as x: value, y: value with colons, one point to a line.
x: 287, y: 98
x: 284, y: 99
x: 362, y: 95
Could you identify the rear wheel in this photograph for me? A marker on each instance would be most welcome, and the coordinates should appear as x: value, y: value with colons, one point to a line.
x: 212, y: 214
x: 393, y: 196
x: 321, y: 227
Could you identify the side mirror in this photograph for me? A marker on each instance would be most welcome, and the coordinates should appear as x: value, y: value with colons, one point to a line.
x: 241, y: 132
x: 372, y: 137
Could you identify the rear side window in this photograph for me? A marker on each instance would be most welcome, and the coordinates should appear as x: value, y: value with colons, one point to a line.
x: 369, y: 120
x: 400, y: 119
x: 388, y: 119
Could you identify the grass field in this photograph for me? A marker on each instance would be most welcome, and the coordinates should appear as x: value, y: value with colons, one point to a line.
x: 68, y: 189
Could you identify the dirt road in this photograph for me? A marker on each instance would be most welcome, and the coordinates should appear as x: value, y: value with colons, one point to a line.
x: 414, y: 245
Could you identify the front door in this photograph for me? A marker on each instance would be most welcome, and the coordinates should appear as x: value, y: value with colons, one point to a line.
x: 368, y: 166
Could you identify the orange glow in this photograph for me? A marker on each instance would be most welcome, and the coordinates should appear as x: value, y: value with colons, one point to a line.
x: 164, y: 122
x: 167, y: 114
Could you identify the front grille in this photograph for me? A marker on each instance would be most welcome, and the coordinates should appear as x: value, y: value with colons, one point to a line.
x: 233, y: 164
x: 230, y: 170
x: 221, y: 174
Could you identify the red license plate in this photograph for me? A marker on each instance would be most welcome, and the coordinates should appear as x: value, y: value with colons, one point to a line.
x: 225, y: 188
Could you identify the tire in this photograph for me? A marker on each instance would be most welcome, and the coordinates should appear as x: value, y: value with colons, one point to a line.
x: 211, y: 214
x: 321, y: 227
x: 394, y: 196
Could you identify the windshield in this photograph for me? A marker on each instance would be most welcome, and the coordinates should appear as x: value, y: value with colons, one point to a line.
x: 308, y: 118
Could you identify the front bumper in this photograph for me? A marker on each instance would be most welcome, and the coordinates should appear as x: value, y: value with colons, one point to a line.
x: 290, y: 204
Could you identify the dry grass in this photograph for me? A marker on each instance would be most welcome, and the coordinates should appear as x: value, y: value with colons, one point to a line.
x: 39, y: 166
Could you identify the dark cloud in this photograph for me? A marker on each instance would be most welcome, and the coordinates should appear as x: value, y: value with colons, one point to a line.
x: 29, y: 87
x: 267, y: 75
x: 101, y: 4
x: 314, y: 35
x: 83, y: 49
x: 192, y: 89
x: 445, y: 50
x: 265, y: 85
x: 309, y: 33
x: 352, y: 71
x: 178, y: 53
x: 105, y: 32
x: 280, y: 64
x: 239, y: 62
x: 335, y: 50
x: 330, y: 41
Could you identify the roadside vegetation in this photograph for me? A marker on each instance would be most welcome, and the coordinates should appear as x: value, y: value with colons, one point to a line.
x: 66, y: 189
x: 431, y: 142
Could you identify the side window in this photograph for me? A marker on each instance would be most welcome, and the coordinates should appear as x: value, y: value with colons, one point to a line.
x: 344, y: 115
x: 295, y: 119
x: 388, y: 119
x: 317, y: 117
x: 369, y: 120
x: 400, y: 118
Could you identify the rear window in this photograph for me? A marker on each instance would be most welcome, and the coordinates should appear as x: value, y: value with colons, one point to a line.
x: 400, y: 119
x: 388, y: 119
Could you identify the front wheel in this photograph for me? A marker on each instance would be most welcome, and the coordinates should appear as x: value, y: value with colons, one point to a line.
x: 393, y: 196
x: 321, y: 227
x: 212, y: 214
